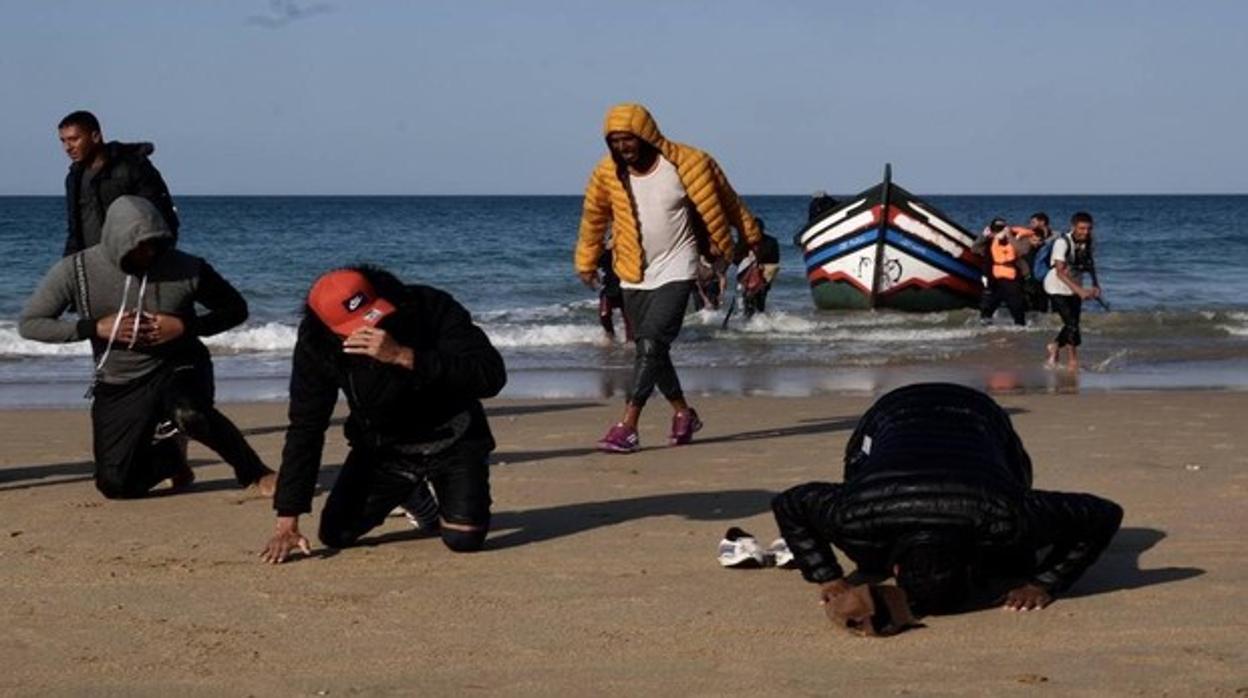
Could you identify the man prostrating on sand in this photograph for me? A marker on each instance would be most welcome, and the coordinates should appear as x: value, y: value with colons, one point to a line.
x: 937, y: 492
x: 414, y: 369
x: 665, y: 204
x: 135, y: 296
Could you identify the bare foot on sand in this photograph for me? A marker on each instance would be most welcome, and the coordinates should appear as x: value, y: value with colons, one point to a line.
x: 1051, y: 360
x: 183, y: 479
x: 267, y: 484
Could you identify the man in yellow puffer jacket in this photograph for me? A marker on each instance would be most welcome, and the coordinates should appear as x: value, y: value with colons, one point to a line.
x: 665, y: 203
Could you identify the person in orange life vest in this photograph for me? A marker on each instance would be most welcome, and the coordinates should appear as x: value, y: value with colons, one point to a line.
x: 1004, y: 248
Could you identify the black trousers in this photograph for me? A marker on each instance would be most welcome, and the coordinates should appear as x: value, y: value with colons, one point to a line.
x: 656, y: 317
x: 124, y: 417
x: 1008, y: 291
x: 1069, y: 308
x: 755, y: 303
x: 372, y: 483
x: 1037, y: 299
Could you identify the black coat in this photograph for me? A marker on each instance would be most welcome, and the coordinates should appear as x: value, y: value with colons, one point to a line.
x: 126, y: 171
x: 942, y: 460
x: 456, y: 366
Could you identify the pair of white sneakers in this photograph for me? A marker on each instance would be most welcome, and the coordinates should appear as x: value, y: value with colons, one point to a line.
x: 740, y: 550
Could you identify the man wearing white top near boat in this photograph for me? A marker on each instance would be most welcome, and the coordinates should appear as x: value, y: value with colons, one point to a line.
x: 1070, y: 258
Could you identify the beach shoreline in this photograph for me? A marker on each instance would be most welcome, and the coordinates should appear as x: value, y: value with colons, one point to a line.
x: 600, y: 575
x: 726, y: 381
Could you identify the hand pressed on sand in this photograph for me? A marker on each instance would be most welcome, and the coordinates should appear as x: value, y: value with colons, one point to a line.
x: 285, y: 541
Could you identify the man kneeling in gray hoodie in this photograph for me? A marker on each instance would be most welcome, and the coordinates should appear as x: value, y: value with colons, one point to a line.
x: 135, y: 296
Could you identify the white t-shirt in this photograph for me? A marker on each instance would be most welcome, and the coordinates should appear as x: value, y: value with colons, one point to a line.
x: 1053, y: 284
x: 666, y: 231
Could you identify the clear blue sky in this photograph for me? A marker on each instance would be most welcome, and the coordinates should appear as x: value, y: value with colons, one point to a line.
x: 507, y: 97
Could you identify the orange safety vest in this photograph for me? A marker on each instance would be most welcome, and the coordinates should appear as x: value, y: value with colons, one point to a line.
x: 1003, y: 258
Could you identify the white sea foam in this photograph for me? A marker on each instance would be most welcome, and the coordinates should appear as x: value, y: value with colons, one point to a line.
x: 554, y: 311
x: 520, y: 336
x: 12, y: 344
x: 269, y: 337
x: 884, y: 329
x: 779, y: 323
x: 1240, y: 326
x: 913, y: 335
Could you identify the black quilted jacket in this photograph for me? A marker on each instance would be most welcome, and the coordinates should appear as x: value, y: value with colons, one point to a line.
x: 127, y: 170
x: 942, y: 459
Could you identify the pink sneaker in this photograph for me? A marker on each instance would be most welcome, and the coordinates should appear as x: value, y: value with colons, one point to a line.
x: 684, y: 424
x: 620, y: 439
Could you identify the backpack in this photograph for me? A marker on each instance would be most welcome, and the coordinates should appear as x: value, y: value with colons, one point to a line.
x: 752, y: 280
x: 1044, y: 258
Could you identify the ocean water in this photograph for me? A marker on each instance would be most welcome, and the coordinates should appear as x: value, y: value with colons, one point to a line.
x: 1173, y: 269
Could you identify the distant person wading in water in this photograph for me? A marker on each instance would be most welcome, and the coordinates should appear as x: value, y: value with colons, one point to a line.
x: 1033, y: 287
x: 1070, y: 258
x: 712, y: 282
x: 756, y: 271
x: 664, y: 202
x: 1004, y: 248
x: 611, y: 297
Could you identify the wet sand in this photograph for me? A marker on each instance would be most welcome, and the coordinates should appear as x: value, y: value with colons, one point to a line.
x: 600, y: 577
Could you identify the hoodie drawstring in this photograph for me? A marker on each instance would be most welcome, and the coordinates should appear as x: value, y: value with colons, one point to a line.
x: 112, y: 335
x: 138, y: 310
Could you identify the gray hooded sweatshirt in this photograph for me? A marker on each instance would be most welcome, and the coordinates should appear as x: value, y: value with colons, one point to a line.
x: 97, y: 282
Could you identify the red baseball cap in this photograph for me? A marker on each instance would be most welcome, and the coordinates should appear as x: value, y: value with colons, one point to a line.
x: 345, y: 301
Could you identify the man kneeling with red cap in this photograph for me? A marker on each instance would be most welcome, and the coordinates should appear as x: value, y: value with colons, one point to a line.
x: 414, y: 369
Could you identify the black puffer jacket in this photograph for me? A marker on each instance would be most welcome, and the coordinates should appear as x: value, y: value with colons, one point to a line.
x: 941, y: 460
x: 456, y: 366
x: 127, y: 171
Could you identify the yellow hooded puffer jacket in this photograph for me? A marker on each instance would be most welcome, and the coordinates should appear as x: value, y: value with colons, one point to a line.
x: 608, y: 201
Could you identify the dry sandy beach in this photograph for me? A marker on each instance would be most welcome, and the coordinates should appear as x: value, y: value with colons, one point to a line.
x: 600, y: 576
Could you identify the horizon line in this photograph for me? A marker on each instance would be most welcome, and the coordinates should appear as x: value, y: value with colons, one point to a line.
x: 61, y: 195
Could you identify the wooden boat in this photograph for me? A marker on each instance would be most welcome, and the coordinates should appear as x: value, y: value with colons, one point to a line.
x: 887, y: 248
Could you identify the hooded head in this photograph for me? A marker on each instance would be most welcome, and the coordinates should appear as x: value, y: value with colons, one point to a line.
x: 874, y: 610
x: 131, y: 222
x: 934, y: 573
x: 634, y: 119
x: 630, y: 120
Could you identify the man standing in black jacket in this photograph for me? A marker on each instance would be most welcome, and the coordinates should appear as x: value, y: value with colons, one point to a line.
x: 101, y: 172
x: 937, y: 492
x: 414, y: 369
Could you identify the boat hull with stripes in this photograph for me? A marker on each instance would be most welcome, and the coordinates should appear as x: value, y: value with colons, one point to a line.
x: 886, y: 248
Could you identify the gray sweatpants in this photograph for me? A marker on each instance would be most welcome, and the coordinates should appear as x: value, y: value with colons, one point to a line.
x: 656, y: 317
